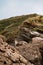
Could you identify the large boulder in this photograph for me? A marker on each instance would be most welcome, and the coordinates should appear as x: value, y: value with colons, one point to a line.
x: 37, y: 40
x: 24, y: 35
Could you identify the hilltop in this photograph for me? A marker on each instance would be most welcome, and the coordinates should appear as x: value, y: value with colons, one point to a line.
x: 10, y: 27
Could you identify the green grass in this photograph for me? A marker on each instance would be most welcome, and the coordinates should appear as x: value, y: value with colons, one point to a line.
x: 13, y: 22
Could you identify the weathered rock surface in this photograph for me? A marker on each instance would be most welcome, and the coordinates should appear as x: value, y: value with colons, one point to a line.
x: 27, y: 35
x: 30, y: 44
x: 24, y: 35
x: 23, y: 54
x: 2, y: 38
x: 31, y: 53
x: 10, y: 56
x: 37, y: 40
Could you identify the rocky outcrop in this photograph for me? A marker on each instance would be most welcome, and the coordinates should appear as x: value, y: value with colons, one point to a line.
x: 24, y: 35
x: 32, y: 52
x: 22, y: 54
x: 28, y: 35
x: 29, y: 29
x: 37, y: 40
x: 10, y: 56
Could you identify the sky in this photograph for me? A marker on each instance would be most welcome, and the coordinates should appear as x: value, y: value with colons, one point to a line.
x: 10, y: 8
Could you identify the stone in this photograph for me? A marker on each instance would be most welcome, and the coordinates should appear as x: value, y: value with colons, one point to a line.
x: 9, y: 55
x: 37, y: 39
x: 31, y: 53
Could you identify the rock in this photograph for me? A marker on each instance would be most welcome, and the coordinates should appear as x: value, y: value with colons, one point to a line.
x: 35, y: 34
x: 18, y: 64
x: 4, y: 60
x: 3, y: 38
x: 24, y: 35
x: 41, y: 35
x: 24, y: 54
x: 9, y: 55
x: 19, y: 43
x: 37, y: 40
x: 31, y: 53
x: 29, y: 29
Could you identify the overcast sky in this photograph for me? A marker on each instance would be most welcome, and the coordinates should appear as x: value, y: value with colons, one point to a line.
x: 9, y: 8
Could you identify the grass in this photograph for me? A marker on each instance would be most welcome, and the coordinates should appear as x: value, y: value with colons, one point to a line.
x: 10, y: 27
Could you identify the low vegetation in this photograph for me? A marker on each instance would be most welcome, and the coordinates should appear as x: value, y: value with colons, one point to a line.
x: 10, y: 27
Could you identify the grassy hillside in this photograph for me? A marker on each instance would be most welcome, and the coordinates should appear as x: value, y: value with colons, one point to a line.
x: 11, y: 24
x: 9, y: 27
x: 34, y: 23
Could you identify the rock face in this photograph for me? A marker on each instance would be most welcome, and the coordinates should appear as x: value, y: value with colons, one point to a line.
x: 25, y: 54
x: 32, y: 52
x: 28, y: 36
x: 10, y: 56
x: 32, y: 27
x: 37, y: 40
